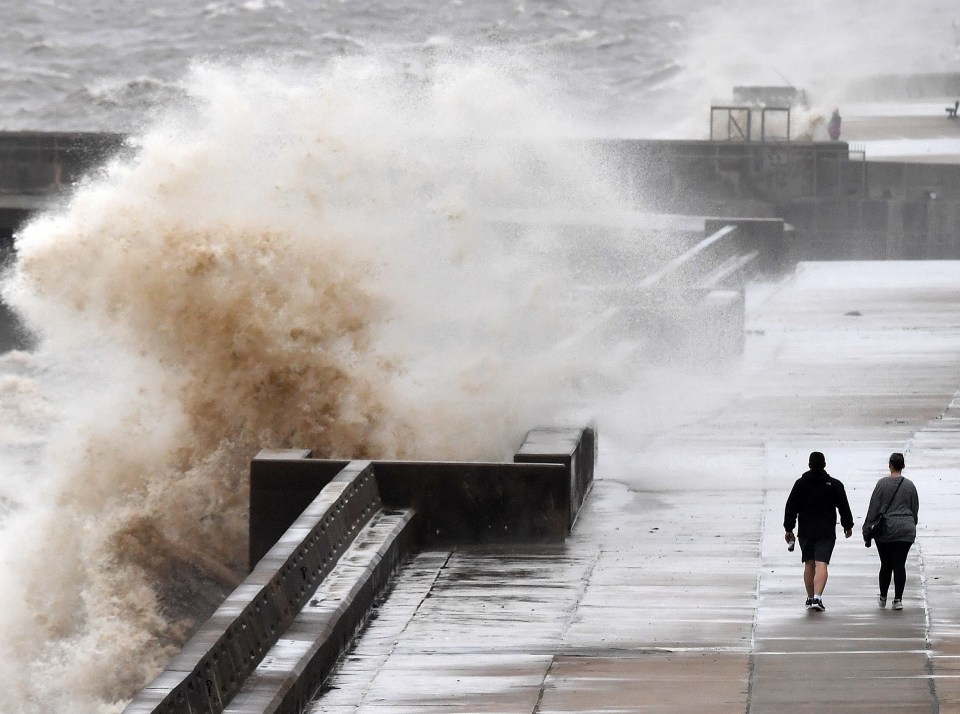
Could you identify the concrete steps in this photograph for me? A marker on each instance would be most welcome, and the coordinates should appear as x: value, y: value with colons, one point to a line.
x: 294, y: 668
x: 326, y: 537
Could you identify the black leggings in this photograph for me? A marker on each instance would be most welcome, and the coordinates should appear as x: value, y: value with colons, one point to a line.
x: 893, y: 560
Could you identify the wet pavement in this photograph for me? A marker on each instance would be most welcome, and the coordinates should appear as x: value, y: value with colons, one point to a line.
x: 675, y: 592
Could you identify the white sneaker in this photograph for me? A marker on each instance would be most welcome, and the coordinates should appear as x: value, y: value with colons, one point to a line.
x: 881, y: 601
x: 897, y: 605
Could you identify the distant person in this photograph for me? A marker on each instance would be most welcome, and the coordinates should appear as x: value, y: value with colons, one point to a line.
x: 896, y: 498
x: 815, y: 499
x: 833, y: 126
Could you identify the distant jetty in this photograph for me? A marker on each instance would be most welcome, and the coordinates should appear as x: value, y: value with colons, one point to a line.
x: 835, y: 204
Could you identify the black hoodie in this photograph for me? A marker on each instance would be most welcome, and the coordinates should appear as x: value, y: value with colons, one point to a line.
x: 817, y: 497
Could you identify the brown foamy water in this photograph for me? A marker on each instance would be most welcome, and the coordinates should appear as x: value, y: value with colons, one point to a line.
x: 295, y: 258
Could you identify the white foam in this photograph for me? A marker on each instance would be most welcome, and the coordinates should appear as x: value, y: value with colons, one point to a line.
x: 298, y: 257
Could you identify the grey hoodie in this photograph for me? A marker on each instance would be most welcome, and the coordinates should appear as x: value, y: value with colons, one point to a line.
x: 901, y: 514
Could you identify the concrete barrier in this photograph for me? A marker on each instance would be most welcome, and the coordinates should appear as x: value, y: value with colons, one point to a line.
x: 793, y: 180
x: 843, y: 206
x: 325, y: 538
x: 689, y: 266
x: 35, y: 166
x: 39, y: 162
x: 296, y: 666
x: 574, y: 448
x: 480, y: 502
x: 283, y: 482
x: 530, y: 499
x: 214, y: 663
x: 457, y: 502
x: 13, y: 335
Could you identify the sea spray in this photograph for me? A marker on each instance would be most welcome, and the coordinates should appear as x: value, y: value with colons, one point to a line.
x: 824, y: 48
x: 294, y: 257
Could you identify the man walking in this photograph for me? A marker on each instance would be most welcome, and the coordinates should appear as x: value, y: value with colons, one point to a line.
x: 816, y: 498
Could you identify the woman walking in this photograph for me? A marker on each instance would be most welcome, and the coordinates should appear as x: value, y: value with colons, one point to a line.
x: 892, y: 522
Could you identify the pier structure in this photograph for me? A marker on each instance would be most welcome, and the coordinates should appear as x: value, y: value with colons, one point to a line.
x: 395, y: 587
x: 817, y: 200
x: 841, y: 205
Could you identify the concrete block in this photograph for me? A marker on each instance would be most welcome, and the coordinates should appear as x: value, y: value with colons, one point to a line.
x: 950, y: 183
x: 282, y: 484
x: 262, y: 619
x: 256, y: 701
x: 479, y: 502
x: 13, y: 334
x: 915, y: 230
x: 574, y: 448
x: 828, y: 180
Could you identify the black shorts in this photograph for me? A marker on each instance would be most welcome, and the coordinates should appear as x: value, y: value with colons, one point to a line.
x: 817, y: 549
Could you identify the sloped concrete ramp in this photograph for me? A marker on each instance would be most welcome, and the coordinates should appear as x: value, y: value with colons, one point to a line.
x: 675, y: 592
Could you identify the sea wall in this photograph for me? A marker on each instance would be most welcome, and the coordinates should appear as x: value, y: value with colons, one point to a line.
x: 213, y: 666
x: 574, y: 449
x: 841, y: 206
x: 535, y: 498
x: 329, y: 535
x: 882, y: 210
x: 35, y: 166
x: 35, y: 169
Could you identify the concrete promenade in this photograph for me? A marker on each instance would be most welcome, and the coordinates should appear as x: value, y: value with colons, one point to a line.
x: 675, y: 592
